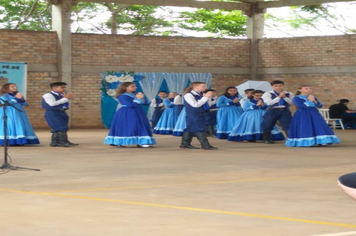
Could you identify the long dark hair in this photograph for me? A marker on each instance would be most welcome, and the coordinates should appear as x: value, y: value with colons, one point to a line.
x: 226, y: 94
x: 5, y: 88
x: 122, y: 88
x: 192, y: 85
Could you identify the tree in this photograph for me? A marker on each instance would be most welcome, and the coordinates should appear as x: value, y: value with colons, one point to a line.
x: 25, y: 14
x: 220, y: 23
x: 311, y: 18
x: 139, y: 20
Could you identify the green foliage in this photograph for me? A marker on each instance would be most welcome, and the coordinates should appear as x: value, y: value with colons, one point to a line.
x: 305, y: 17
x: 25, y: 15
x: 218, y: 22
x: 142, y: 20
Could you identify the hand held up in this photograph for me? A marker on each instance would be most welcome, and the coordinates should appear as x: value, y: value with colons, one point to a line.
x: 236, y: 100
x: 282, y: 94
x: 140, y: 95
x: 208, y: 94
x: 68, y: 95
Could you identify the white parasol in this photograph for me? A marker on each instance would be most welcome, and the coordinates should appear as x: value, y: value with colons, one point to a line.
x: 253, y: 84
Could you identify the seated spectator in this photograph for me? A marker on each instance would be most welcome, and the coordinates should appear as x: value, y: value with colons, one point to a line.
x: 341, y: 111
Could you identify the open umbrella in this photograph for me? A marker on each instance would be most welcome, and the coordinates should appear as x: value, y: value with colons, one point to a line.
x: 253, y: 84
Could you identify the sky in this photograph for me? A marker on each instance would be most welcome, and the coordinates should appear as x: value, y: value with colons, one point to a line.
x: 345, y: 12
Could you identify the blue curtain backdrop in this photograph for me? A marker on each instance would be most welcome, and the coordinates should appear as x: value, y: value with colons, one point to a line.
x: 109, y: 104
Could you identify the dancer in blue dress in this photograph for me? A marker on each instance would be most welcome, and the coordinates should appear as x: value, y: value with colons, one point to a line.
x: 229, y: 112
x: 19, y: 129
x: 178, y: 101
x: 169, y: 117
x: 181, y: 124
x: 308, y: 127
x: 248, y: 127
x: 130, y: 125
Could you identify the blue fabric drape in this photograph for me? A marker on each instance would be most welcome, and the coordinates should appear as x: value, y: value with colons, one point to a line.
x: 201, y: 77
x: 176, y: 81
x: 150, y: 86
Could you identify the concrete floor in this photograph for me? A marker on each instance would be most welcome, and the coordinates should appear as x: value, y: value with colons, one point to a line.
x: 244, y: 189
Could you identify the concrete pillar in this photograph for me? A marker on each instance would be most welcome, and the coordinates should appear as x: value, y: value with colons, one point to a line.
x: 61, y: 23
x: 255, y: 27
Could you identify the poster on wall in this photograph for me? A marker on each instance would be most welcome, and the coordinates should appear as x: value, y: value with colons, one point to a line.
x: 14, y: 72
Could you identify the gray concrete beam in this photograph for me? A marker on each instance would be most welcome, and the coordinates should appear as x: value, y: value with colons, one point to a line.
x: 213, y: 70
x: 255, y: 28
x: 219, y: 70
x: 308, y: 70
x: 181, y: 3
x: 61, y: 23
x: 287, y: 3
x: 42, y: 67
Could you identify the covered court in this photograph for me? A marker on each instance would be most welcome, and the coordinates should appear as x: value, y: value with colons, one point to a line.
x: 248, y: 189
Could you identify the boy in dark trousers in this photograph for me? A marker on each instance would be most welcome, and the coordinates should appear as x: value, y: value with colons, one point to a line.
x: 56, y: 103
x: 278, y: 101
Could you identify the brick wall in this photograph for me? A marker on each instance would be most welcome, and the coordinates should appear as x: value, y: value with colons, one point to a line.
x: 89, y: 49
x: 28, y: 46
x: 221, y: 82
x: 105, y: 50
x: 308, y: 51
x: 87, y: 100
x: 33, y: 48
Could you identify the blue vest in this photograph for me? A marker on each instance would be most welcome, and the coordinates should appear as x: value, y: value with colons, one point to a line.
x: 190, y: 109
x: 158, y: 101
x: 54, y: 108
x: 282, y: 102
x: 195, y: 117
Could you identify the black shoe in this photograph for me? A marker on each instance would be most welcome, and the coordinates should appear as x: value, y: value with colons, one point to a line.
x: 268, y: 141
x: 188, y: 147
x: 73, y: 144
x: 210, y: 148
x: 62, y: 140
x: 201, y: 136
x: 267, y: 137
x: 119, y: 146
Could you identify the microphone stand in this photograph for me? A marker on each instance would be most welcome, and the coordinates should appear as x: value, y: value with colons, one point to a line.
x: 6, y: 164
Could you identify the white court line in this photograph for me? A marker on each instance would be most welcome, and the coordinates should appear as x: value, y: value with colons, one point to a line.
x: 338, y: 234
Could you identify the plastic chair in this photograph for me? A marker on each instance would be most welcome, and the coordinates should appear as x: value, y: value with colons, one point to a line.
x: 334, y: 122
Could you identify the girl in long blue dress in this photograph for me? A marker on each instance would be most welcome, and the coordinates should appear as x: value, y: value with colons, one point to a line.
x: 19, y: 129
x: 248, y: 127
x: 130, y: 125
x: 308, y: 127
x: 169, y: 117
x: 229, y: 112
x: 181, y: 124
